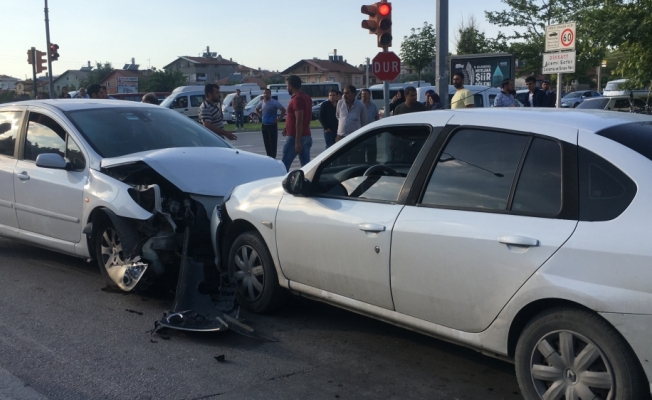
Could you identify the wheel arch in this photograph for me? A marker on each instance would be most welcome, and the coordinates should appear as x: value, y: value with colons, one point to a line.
x: 528, y: 312
x: 94, y: 217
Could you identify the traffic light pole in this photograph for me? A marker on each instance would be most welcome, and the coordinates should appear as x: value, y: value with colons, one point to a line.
x: 34, y: 86
x: 442, y: 51
x: 47, y: 46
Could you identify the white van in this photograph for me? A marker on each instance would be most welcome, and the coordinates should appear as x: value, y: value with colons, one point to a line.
x: 283, y: 98
x: 377, y: 91
x: 615, y: 88
x: 186, y: 100
x: 227, y: 108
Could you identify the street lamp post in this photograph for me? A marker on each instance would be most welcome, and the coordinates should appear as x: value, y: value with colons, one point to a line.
x: 442, y: 51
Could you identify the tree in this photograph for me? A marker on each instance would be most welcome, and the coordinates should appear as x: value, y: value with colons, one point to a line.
x: 530, y: 18
x: 418, y: 49
x: 626, y: 27
x: 470, y: 40
x: 162, y: 81
x: 7, y: 96
x: 95, y: 76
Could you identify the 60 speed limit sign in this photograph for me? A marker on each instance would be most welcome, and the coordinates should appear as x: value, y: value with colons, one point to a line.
x: 560, y: 37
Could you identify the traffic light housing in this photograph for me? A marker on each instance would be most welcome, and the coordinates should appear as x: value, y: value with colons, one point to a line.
x: 54, y: 52
x: 30, y: 57
x: 379, y: 22
x: 384, y: 30
x: 372, y: 23
x: 40, y: 62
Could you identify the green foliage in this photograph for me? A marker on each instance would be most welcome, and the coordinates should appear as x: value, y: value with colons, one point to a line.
x: 418, y: 49
x: 626, y: 26
x: 530, y: 18
x: 275, y: 79
x: 162, y: 81
x: 98, y: 74
x: 470, y: 40
x: 8, y: 96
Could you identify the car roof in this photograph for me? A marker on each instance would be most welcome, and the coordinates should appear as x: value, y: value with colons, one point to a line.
x: 79, y: 104
x: 518, y: 117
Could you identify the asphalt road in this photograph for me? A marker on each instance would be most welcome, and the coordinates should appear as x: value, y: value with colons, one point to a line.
x: 63, y: 337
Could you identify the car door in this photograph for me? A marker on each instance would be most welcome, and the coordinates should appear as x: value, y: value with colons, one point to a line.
x: 180, y: 104
x: 493, y: 209
x: 49, y: 201
x: 10, y: 121
x: 338, y: 239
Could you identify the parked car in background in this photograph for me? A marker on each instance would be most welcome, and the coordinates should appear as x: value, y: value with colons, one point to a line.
x: 185, y: 100
x: 573, y: 99
x: 227, y: 108
x: 117, y: 182
x: 250, y: 109
x: 617, y: 88
x: 526, y: 241
x: 613, y: 103
x: 316, y: 108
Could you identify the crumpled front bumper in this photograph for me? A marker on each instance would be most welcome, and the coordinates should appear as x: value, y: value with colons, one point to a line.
x: 636, y: 329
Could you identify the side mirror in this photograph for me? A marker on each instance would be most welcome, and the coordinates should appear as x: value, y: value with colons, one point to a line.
x: 294, y: 183
x: 51, y: 160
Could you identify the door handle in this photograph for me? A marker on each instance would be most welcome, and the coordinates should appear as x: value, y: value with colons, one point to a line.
x: 22, y: 176
x: 368, y: 227
x: 518, y: 241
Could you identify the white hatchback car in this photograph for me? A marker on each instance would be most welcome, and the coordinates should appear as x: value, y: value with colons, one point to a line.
x: 525, y: 240
x: 118, y: 182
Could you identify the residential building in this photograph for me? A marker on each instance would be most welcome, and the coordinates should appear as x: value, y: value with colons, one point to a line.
x: 8, y: 82
x: 123, y: 80
x: 209, y: 68
x: 71, y: 78
x: 335, y: 69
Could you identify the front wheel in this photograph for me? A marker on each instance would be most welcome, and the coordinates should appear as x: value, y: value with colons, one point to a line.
x: 250, y: 265
x: 568, y: 354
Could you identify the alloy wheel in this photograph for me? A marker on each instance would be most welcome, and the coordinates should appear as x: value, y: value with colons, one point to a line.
x: 111, y: 249
x: 249, y: 275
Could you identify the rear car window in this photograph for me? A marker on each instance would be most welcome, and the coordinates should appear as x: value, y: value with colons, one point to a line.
x: 636, y: 135
x: 598, y: 104
x: 605, y: 190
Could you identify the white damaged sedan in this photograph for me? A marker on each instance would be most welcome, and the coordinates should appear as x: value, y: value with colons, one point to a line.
x: 527, y: 241
x: 119, y: 182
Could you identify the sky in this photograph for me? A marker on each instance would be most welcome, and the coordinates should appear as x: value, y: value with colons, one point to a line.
x: 267, y: 34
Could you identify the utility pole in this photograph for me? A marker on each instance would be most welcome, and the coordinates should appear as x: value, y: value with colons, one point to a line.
x: 368, y: 73
x: 442, y: 51
x: 34, y: 86
x: 47, y: 37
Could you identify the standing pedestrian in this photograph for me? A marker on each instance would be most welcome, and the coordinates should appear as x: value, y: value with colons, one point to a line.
x: 505, y: 97
x: 351, y: 114
x: 463, y: 98
x: 411, y: 104
x: 97, y: 91
x: 150, y: 98
x: 81, y: 93
x: 297, y: 129
x: 552, y: 95
x: 210, y: 114
x: 267, y: 110
x: 399, y: 98
x: 372, y: 109
x: 238, y: 105
x: 433, y: 102
x: 64, y: 93
x: 536, y: 97
x: 328, y: 119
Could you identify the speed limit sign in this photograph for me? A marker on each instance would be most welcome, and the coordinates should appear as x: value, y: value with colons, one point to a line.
x: 560, y: 37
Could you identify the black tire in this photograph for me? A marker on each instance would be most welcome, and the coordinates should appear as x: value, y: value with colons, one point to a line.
x: 608, y: 360
x: 575, y: 105
x: 250, y: 265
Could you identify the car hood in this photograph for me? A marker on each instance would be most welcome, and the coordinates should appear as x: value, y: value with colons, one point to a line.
x: 208, y: 171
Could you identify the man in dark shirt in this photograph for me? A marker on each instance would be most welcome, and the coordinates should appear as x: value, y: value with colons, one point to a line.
x: 411, y: 104
x: 328, y: 119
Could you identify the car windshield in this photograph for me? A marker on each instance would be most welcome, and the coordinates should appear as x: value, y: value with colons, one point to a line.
x: 254, y: 102
x: 613, y: 86
x: 598, y: 104
x: 168, y: 100
x: 573, y: 95
x: 115, y: 132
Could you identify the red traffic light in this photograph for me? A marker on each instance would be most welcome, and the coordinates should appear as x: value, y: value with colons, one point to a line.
x: 54, y: 52
x: 384, y: 9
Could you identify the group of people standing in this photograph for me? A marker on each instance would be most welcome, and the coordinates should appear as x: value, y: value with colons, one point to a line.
x: 544, y: 97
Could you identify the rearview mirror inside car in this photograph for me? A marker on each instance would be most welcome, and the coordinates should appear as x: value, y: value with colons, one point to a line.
x: 294, y: 182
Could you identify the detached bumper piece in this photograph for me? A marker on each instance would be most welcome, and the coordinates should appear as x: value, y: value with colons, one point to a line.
x: 195, y: 310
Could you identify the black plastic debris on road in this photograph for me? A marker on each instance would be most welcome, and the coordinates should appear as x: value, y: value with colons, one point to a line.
x: 133, y: 311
